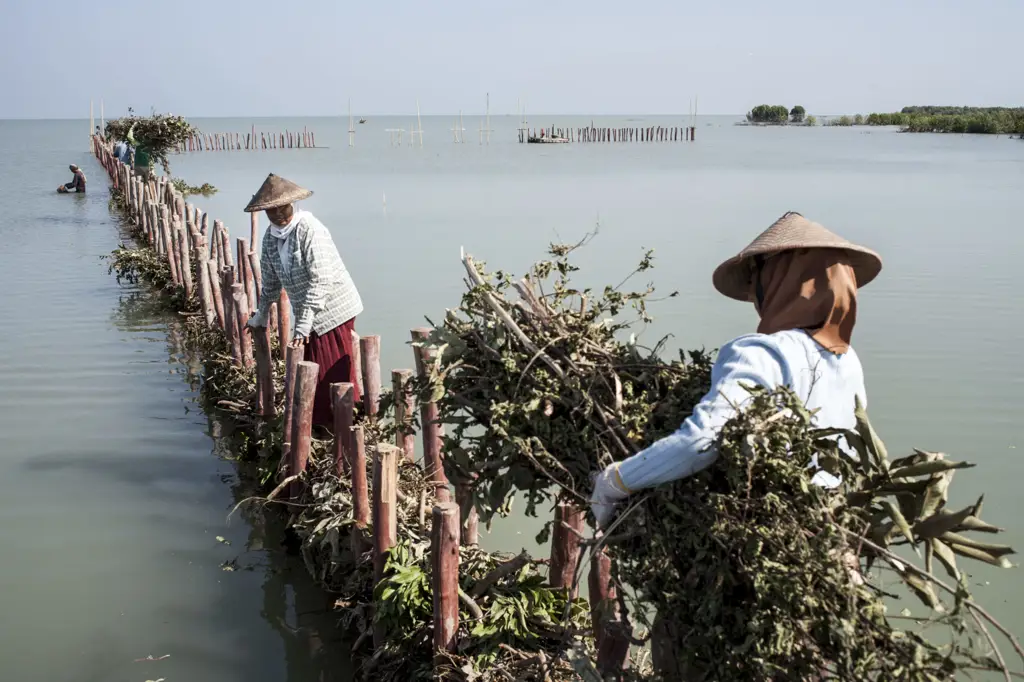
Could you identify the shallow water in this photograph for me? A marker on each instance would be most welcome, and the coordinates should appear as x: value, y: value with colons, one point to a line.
x: 108, y: 473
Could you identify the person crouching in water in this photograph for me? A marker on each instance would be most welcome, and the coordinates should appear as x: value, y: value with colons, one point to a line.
x: 802, y: 280
x: 77, y: 182
x: 300, y: 256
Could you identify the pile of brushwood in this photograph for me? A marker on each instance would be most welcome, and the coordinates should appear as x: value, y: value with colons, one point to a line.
x: 158, y: 134
x: 754, y: 573
x: 512, y: 624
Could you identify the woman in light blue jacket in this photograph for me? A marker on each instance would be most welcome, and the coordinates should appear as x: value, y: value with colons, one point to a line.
x: 803, y: 281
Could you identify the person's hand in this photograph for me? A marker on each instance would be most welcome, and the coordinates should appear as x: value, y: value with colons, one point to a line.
x: 249, y: 326
x: 608, y: 492
x: 298, y: 342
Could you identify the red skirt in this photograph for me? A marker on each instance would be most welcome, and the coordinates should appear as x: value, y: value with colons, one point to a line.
x: 333, y: 352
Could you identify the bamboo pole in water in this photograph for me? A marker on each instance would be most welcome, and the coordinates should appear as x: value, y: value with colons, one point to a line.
x: 264, y: 372
x: 245, y: 273
x: 227, y: 281
x: 241, y: 308
x: 302, y: 423
x: 444, y: 555
x: 186, y: 260
x: 292, y: 358
x: 213, y: 273
x: 343, y: 405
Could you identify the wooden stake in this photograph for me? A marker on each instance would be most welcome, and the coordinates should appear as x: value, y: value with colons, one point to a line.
x: 292, y: 358
x: 343, y: 405
x: 203, y: 282
x: 369, y: 348
x: 215, y: 293
x: 264, y: 373
x: 284, y: 315
x: 612, y: 644
x: 360, y: 496
x: 433, y: 432
x: 470, y: 532
x: 405, y: 438
x: 444, y: 556
x: 302, y: 422
x: 385, y: 515
x: 257, y: 274
x: 245, y: 269
x: 165, y: 235
x: 357, y: 361
x: 186, y: 261
x: 227, y: 281
x: 565, y: 546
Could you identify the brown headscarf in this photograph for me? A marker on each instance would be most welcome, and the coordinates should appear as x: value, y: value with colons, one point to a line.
x: 810, y: 289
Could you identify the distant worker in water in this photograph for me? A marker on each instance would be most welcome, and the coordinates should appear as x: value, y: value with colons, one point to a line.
x: 803, y: 281
x: 77, y: 182
x: 300, y: 256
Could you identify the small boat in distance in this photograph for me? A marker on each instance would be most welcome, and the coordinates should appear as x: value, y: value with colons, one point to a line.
x: 362, y: 120
x: 546, y: 139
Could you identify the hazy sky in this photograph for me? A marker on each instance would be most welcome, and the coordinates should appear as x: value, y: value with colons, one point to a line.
x: 307, y: 57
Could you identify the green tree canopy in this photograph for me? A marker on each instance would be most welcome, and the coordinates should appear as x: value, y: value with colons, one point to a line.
x: 768, y: 113
x: 797, y: 113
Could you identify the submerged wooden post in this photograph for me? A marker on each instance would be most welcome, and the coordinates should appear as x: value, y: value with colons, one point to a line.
x: 343, y: 406
x: 609, y: 635
x: 565, y: 546
x: 186, y: 261
x: 385, y: 515
x: 264, y: 372
x: 291, y: 367
x: 369, y: 350
x: 203, y: 284
x: 302, y: 423
x: 360, y: 493
x: 233, y: 331
x: 444, y: 556
x: 215, y: 293
x: 432, y: 431
x: 405, y: 438
x: 165, y: 236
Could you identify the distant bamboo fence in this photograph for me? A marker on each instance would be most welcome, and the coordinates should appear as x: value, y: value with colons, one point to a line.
x: 604, y: 134
x: 287, y: 139
x: 228, y: 286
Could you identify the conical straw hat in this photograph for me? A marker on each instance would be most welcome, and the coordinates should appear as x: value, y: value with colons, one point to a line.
x: 276, y: 191
x: 792, y: 231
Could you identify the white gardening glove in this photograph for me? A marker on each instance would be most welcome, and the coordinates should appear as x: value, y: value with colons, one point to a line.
x: 609, y: 490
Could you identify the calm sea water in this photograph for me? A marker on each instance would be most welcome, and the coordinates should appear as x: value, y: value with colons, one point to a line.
x: 111, y: 486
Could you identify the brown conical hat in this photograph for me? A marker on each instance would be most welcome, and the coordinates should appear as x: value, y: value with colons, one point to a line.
x: 276, y: 191
x: 792, y: 231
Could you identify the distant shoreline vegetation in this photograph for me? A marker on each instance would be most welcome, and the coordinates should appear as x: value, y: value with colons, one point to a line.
x: 975, y: 120
x: 917, y: 119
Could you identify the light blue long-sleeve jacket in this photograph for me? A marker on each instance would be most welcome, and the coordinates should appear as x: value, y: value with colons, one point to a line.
x: 825, y: 381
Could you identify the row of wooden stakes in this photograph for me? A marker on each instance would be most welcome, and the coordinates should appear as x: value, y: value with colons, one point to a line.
x: 592, y: 134
x: 228, y: 287
x: 209, y: 142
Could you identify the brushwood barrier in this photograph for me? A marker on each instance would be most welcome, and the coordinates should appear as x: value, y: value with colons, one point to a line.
x: 378, y: 527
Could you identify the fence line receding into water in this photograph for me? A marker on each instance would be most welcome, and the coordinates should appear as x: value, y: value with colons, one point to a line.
x: 227, y: 285
x: 608, y: 135
x: 215, y: 142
